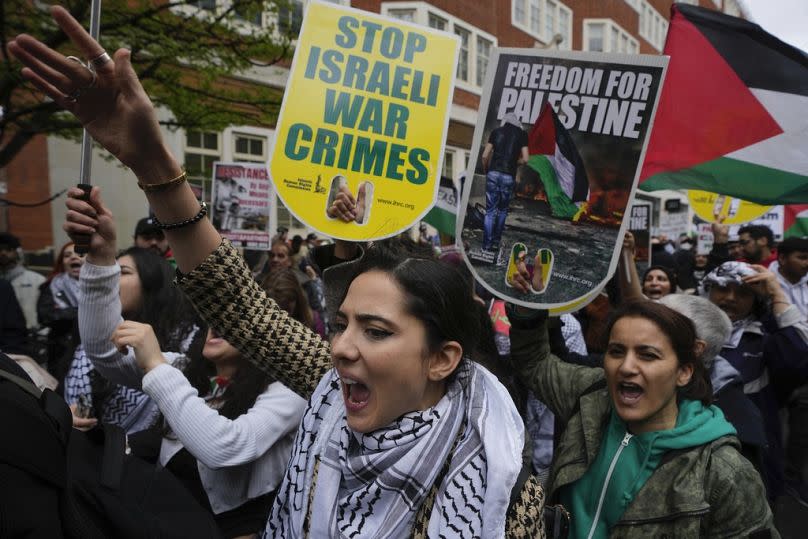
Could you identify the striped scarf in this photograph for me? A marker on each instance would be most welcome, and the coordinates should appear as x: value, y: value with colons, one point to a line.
x: 372, y: 485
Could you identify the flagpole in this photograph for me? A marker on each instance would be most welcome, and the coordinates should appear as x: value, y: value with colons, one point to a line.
x: 626, y: 261
x: 82, y: 245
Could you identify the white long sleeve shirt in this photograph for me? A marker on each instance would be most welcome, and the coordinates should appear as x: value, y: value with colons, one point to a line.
x: 238, y: 459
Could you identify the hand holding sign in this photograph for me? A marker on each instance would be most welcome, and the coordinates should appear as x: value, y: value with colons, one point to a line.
x: 345, y: 207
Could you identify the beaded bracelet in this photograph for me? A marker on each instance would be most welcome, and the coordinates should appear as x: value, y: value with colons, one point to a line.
x: 163, y: 186
x: 203, y: 211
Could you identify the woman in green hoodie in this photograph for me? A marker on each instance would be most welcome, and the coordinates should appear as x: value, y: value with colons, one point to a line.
x: 643, y: 453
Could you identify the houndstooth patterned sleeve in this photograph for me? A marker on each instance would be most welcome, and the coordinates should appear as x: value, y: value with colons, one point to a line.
x: 224, y: 292
x: 525, y: 517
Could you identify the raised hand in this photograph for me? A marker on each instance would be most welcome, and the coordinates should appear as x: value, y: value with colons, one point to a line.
x: 94, y: 219
x: 142, y: 339
x: 111, y: 104
x: 629, y: 244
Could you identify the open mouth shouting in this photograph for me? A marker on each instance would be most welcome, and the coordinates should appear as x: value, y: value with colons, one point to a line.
x: 355, y: 393
x: 629, y: 393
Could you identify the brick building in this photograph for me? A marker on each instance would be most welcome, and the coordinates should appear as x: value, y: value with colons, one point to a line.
x: 48, y: 164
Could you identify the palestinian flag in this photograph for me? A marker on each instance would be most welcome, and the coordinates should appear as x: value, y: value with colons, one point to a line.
x: 733, y: 113
x: 555, y: 158
x: 795, y: 221
x: 443, y: 215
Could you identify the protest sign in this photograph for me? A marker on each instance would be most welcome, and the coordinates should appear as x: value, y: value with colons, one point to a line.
x: 704, y: 238
x: 240, y: 203
x: 732, y: 210
x: 773, y: 219
x: 366, y: 111
x: 554, y: 163
x: 640, y: 226
x: 443, y: 215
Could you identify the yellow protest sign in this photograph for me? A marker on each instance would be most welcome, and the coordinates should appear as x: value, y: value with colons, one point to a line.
x: 365, y: 113
x: 734, y: 210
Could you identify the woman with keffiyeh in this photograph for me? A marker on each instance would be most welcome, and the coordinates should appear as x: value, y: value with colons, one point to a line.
x: 404, y: 435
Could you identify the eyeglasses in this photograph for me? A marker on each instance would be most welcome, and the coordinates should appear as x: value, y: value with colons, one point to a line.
x: 744, y: 242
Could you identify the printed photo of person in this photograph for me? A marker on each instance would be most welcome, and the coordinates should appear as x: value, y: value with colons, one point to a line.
x: 528, y: 274
x: 341, y: 203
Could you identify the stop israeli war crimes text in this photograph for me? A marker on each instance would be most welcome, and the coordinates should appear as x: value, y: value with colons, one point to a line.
x: 370, y: 115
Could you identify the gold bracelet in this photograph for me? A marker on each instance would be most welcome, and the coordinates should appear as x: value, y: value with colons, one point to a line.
x: 163, y: 186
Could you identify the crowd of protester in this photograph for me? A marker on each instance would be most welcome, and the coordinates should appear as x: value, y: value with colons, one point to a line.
x: 362, y: 390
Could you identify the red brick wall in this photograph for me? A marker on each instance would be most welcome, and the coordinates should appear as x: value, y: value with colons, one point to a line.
x: 28, y: 181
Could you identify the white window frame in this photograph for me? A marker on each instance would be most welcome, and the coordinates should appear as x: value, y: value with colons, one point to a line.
x: 217, y: 153
x: 544, y: 13
x: 422, y: 11
x: 609, y: 26
x: 249, y: 157
x: 635, y: 4
x: 653, y: 26
x: 460, y: 157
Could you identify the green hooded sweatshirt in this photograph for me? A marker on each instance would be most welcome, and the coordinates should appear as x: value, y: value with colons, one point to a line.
x: 625, y: 462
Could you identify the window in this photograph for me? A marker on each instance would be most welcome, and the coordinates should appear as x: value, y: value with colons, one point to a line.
x: 543, y: 19
x: 250, y: 148
x: 565, y: 28
x: 475, y: 44
x: 604, y: 35
x: 209, y: 5
x: 594, y: 32
x: 519, y: 12
x: 463, y: 57
x: 448, y: 165
x: 285, y: 217
x: 202, y: 149
x: 290, y: 17
x: 549, y: 20
x: 535, y: 16
x: 483, y: 55
x: 438, y: 23
x: 403, y: 14
x: 653, y: 26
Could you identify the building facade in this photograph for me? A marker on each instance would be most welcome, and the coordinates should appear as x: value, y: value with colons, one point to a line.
x: 48, y: 164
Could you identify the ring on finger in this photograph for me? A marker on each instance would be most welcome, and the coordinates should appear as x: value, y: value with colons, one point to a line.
x: 100, y: 60
x: 75, y: 94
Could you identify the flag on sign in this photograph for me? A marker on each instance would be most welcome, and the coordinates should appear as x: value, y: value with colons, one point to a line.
x: 555, y: 158
x: 443, y: 215
x: 733, y: 116
x: 795, y: 220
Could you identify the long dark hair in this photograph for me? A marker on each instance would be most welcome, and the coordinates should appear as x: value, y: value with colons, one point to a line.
x: 681, y: 334
x: 282, y: 286
x: 435, y: 293
x: 245, y: 386
x: 163, y: 306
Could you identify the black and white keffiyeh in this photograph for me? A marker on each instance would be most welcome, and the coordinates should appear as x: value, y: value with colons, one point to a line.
x: 372, y: 485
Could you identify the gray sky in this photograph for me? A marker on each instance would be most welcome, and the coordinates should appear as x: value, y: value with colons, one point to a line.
x: 786, y: 19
